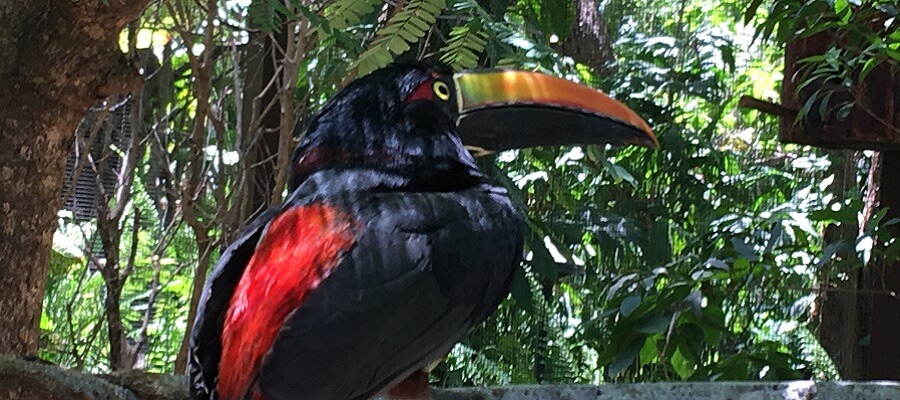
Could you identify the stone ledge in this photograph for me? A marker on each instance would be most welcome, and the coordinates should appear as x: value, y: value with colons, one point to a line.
x: 26, y: 380
x: 792, y: 390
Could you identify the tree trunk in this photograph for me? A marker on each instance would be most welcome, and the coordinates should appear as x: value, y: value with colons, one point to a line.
x: 57, y: 59
x: 262, y: 120
x: 251, y: 142
x: 588, y: 43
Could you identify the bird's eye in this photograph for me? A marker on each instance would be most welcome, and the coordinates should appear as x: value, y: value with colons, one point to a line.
x: 441, y: 90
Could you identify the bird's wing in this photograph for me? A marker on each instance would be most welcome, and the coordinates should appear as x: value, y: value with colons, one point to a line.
x: 423, y: 269
x: 300, y: 248
x: 205, y: 346
x: 259, y: 282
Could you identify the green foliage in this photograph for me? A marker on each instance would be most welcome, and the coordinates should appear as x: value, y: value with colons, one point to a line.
x: 73, y: 328
x: 346, y: 13
x: 552, y: 17
x: 861, y: 37
x: 403, y: 28
x: 693, y: 262
x: 266, y: 14
x: 466, y: 42
x: 696, y: 261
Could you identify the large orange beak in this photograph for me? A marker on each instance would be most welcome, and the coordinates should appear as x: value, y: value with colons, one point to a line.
x: 502, y: 110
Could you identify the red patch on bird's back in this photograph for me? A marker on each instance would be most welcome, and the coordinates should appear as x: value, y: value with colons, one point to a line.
x: 299, y: 249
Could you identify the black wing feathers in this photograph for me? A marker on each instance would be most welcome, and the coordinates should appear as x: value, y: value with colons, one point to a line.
x: 425, y: 268
x: 206, y: 341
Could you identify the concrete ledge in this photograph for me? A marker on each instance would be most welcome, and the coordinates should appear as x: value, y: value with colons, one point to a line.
x: 27, y: 380
x: 794, y: 390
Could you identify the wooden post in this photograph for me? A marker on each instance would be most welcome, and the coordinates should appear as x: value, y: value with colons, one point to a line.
x: 883, y: 358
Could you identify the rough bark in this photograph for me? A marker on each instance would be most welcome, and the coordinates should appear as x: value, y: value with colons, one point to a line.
x: 588, y: 43
x: 23, y: 380
x: 262, y: 119
x: 253, y: 143
x: 57, y: 59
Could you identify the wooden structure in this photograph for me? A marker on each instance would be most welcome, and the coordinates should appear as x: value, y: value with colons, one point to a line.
x: 873, y: 122
x: 866, y: 116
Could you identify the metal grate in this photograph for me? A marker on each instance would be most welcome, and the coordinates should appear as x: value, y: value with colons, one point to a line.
x: 114, y: 128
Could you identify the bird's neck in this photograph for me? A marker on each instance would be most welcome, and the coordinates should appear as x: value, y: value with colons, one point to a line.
x: 395, y: 170
x: 326, y: 157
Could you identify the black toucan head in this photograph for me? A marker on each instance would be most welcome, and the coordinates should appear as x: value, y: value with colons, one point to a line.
x: 413, y: 116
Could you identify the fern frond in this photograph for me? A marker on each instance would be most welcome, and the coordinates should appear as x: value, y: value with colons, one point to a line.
x: 406, y: 27
x: 499, y: 33
x: 466, y: 42
x: 265, y: 15
x: 372, y: 59
x: 346, y: 13
x: 478, y: 367
x: 509, y: 62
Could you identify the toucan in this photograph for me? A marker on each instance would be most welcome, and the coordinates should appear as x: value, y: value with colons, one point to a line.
x: 391, y: 244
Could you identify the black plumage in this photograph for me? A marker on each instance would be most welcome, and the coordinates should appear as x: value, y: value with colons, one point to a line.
x: 421, y: 246
x: 435, y: 246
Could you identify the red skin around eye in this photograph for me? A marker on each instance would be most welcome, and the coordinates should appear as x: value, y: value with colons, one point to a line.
x: 423, y: 92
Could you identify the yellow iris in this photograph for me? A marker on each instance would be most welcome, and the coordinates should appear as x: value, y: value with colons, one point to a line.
x: 441, y: 90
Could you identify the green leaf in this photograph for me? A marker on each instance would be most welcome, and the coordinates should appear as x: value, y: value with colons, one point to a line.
x: 520, y: 289
x: 832, y: 249
x: 619, y: 284
x: 741, y: 265
x: 625, y: 357
x: 682, y: 366
x: 649, y: 353
x: 406, y: 27
x: 658, y: 324
x: 751, y: 10
x: 870, y: 64
x: 465, y: 42
x: 629, y: 304
x: 842, y: 9
x: 745, y: 250
x: 823, y: 106
x: 844, y: 214
x: 345, y: 13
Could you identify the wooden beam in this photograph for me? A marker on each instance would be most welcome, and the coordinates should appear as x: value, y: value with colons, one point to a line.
x: 766, y: 107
